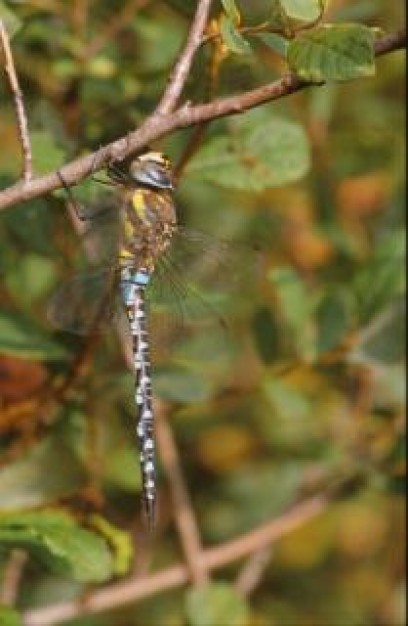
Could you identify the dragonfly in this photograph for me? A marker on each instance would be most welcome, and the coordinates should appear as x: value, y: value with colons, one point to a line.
x: 151, y: 252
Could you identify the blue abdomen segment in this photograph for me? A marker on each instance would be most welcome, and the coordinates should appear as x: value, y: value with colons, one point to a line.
x: 141, y: 277
x: 130, y: 279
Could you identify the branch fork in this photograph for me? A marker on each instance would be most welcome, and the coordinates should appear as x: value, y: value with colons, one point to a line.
x: 167, y: 117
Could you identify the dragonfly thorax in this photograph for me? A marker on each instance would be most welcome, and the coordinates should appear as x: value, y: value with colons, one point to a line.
x: 149, y: 224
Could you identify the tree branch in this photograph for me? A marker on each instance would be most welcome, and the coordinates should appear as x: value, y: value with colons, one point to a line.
x: 22, y: 124
x: 12, y: 575
x: 157, y: 126
x: 183, y: 511
x: 182, y: 67
x: 119, y: 594
x: 251, y: 573
x: 391, y: 42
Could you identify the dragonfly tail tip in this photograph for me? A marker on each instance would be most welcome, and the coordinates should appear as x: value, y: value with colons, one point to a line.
x: 150, y: 514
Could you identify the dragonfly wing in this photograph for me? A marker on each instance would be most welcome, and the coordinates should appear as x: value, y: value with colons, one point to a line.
x: 102, y: 235
x: 87, y: 303
x: 197, y: 294
x: 198, y: 275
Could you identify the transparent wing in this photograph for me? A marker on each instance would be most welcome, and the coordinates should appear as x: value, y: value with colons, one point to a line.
x: 87, y: 303
x: 102, y: 234
x: 197, y: 281
x: 200, y: 276
x: 198, y: 294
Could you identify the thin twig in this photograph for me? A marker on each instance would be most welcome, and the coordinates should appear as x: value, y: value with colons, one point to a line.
x: 182, y: 67
x: 183, y: 510
x: 236, y: 549
x: 157, y: 126
x: 264, y: 27
x: 12, y: 573
x: 315, y: 22
x: 119, y: 21
x: 390, y: 42
x: 22, y: 124
x: 119, y: 594
x: 191, y: 148
x: 198, y: 134
x: 376, y: 325
x: 251, y: 573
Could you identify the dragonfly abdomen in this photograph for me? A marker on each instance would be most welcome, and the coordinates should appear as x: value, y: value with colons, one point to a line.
x: 133, y: 292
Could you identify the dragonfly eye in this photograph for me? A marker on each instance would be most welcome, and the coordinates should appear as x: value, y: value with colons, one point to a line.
x: 152, y: 172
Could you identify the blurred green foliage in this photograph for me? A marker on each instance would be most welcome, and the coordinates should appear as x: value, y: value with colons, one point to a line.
x: 304, y: 390
x: 216, y: 604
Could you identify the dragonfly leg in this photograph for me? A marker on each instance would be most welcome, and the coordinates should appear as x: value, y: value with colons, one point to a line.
x: 117, y: 175
x: 79, y: 211
x: 76, y: 206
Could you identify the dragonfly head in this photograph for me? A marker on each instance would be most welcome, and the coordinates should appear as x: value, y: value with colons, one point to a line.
x: 152, y: 169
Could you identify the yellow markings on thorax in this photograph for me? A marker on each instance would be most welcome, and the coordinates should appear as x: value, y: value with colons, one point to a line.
x: 125, y: 253
x: 139, y: 205
x: 137, y: 202
x: 128, y: 233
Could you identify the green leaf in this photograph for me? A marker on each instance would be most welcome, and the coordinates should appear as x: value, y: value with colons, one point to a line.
x: 178, y: 384
x: 266, y: 334
x: 159, y: 42
x: 101, y: 67
x: 382, y: 278
x: 122, y: 470
x: 47, y: 472
x: 292, y: 420
x: 59, y: 543
x: 387, y: 344
x: 20, y: 337
x: 9, y: 617
x: 256, y: 492
x: 292, y: 295
x: 305, y: 10
x: 276, y: 42
x: 390, y: 386
x: 250, y: 484
x: 280, y: 21
x: 259, y: 152
x: 231, y: 10
x: 362, y: 11
x: 196, y: 351
x: 288, y: 402
x: 36, y: 273
x: 322, y: 103
x: 10, y: 20
x: 47, y: 154
x: 295, y: 305
x: 232, y: 38
x: 119, y: 541
x: 333, y: 52
x: 216, y: 604
x: 184, y: 7
x: 333, y: 319
x: 32, y: 224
